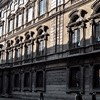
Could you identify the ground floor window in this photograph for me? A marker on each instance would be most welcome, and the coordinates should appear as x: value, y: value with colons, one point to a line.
x: 75, y: 77
x: 39, y: 79
x: 16, y: 81
x: 96, y: 77
x: 27, y: 80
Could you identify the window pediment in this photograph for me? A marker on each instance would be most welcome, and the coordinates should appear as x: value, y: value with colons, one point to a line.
x: 20, y: 9
x: 77, y: 16
x: 96, y: 7
x: 18, y: 39
x: 28, y: 3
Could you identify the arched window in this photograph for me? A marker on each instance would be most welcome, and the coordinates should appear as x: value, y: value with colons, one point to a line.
x: 41, y: 40
x: 76, y: 29
x: 18, y: 49
x: 29, y: 41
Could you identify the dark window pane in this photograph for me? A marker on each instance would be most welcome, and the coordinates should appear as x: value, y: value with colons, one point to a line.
x: 75, y: 76
x: 39, y: 79
x: 96, y: 78
x: 16, y: 80
x: 98, y: 32
x: 76, y: 38
x: 27, y: 80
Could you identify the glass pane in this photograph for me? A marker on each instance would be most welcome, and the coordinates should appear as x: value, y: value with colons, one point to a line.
x: 10, y: 25
x: 30, y: 13
x: 1, y: 30
x: 19, y: 20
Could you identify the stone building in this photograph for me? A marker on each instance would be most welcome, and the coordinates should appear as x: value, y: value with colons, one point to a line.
x: 50, y: 48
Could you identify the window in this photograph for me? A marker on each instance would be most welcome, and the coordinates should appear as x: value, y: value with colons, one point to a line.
x: 28, y: 50
x: 1, y: 30
x: 9, y: 56
x: 0, y: 13
x: 19, y: 20
x: 96, y: 77
x: 39, y: 79
x: 30, y: 14
x: 21, y: 1
x: 73, y: 1
x: 42, y: 7
x: 27, y: 80
x: 41, y: 41
x: 17, y: 53
x: 41, y: 47
x: 97, y: 29
x: 10, y: 28
x: 12, y: 6
x: 76, y: 38
x: 16, y: 81
x: 75, y: 77
x: 55, y: 3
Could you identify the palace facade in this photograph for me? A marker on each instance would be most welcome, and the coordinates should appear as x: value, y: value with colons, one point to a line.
x: 50, y: 49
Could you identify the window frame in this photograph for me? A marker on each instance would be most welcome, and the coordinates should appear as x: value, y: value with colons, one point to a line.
x: 28, y: 88
x: 43, y: 12
x: 19, y: 85
x: 44, y: 81
x: 71, y: 89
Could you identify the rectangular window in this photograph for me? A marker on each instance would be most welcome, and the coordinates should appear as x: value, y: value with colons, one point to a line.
x: 97, y: 28
x: 30, y: 14
x: 42, y: 7
x: 17, y: 54
x: 19, y: 20
x: 1, y: 30
x: 76, y: 38
x: 16, y: 81
x: 20, y: 1
x: 55, y: 3
x: 39, y: 79
x: 96, y: 77
x: 41, y: 47
x: 74, y: 1
x: 75, y: 77
x: 10, y: 25
x: 27, y: 80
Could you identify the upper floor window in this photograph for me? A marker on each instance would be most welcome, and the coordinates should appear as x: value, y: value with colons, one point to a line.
x: 76, y: 29
x: 41, y: 40
x: 1, y: 30
x: 19, y: 20
x: 55, y: 3
x: 30, y: 14
x: 12, y: 6
x: 21, y: 1
x: 10, y: 28
x: 74, y: 1
x: 0, y: 13
x: 42, y: 7
x: 97, y: 32
x: 76, y: 38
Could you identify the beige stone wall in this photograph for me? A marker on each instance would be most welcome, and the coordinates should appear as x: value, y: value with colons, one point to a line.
x: 50, y: 21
